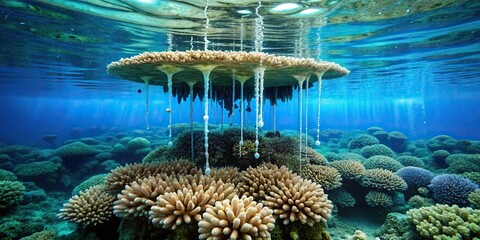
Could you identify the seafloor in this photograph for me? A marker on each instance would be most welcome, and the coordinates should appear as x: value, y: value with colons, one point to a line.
x: 357, y: 184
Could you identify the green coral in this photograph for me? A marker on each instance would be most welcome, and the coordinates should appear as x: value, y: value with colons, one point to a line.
x: 377, y: 149
x: 90, y: 182
x: 460, y: 163
x: 11, y: 193
x: 473, y: 176
x: 382, y: 162
x: 75, y: 150
x: 378, y: 199
x: 410, y: 161
x: 362, y: 141
x: 446, y: 222
x: 43, y: 235
x: 7, y: 175
x: 474, y: 199
x: 383, y: 179
x: 342, y: 198
x: 157, y: 155
x: 35, y: 169
x: 418, y: 201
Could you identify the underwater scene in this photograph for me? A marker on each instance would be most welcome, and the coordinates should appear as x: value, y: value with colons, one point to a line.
x: 221, y: 119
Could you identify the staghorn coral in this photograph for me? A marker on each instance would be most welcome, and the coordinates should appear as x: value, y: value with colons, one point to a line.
x: 328, y: 177
x: 362, y: 141
x: 383, y: 179
x: 188, y: 203
x: 451, y: 189
x: 11, y: 193
x: 298, y: 200
x: 236, y: 219
x: 90, y: 208
x: 445, y: 222
x: 349, y: 169
x: 378, y: 199
x: 382, y: 162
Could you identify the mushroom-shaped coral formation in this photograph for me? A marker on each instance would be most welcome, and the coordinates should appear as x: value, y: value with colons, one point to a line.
x: 460, y: 163
x: 383, y: 179
x: 415, y: 177
x: 236, y: 219
x: 451, y: 189
x: 441, y: 142
x: 299, y: 200
x: 90, y: 208
x: 382, y: 162
x: 349, y: 169
x: 410, y: 161
x: 313, y: 157
x: 328, y: 177
x: 11, y: 193
x: 396, y: 141
x: 342, y: 198
x: 377, y: 149
x: 380, y: 199
x: 362, y: 141
x: 446, y: 222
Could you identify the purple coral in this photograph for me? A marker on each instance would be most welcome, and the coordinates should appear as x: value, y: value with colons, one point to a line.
x: 451, y: 189
x: 415, y: 176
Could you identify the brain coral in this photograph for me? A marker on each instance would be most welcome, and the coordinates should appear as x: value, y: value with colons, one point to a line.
x: 377, y: 149
x: 236, y: 219
x: 415, y: 177
x: 382, y: 162
x: 410, y: 161
x: 446, y: 222
x: 11, y: 193
x: 380, y: 199
x: 349, y: 169
x: 383, y: 179
x: 451, y: 189
x: 362, y: 141
x: 92, y: 207
x: 328, y: 177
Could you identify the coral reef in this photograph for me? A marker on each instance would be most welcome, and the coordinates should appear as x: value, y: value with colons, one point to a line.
x: 446, y: 222
x: 382, y: 162
x: 441, y: 142
x: 474, y: 199
x: 362, y: 141
x: 349, y: 169
x: 328, y: 177
x: 377, y: 149
x: 410, y: 161
x: 7, y: 175
x: 418, y: 201
x: 415, y: 177
x: 88, y: 183
x: 75, y: 150
x: 11, y: 193
x: 451, y: 189
x: 383, y: 179
x: 396, y: 141
x: 460, y: 163
x: 90, y: 208
x: 380, y: 199
x: 238, y: 218
x: 342, y: 198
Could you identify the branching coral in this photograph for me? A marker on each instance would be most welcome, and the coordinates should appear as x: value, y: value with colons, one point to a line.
x: 299, y: 200
x: 236, y: 219
x: 90, y: 208
x: 328, y: 177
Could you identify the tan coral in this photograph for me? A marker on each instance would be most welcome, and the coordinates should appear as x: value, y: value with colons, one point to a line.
x: 236, y: 219
x: 139, y: 196
x: 349, y: 169
x: 313, y: 157
x: 226, y: 174
x: 328, y: 177
x: 299, y: 200
x: 383, y: 179
x: 90, y: 208
x: 189, y: 202
x: 256, y: 182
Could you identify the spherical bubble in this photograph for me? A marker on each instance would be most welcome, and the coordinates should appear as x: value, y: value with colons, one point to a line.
x: 206, y: 155
x: 205, y: 117
x: 317, y: 143
x: 170, y: 144
x: 241, y: 143
x: 207, y: 171
x: 260, y: 123
x: 257, y: 155
x: 256, y: 143
x: 206, y: 145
